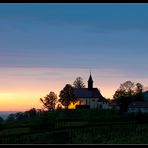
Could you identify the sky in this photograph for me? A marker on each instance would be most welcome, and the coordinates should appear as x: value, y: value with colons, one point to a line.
x: 43, y: 47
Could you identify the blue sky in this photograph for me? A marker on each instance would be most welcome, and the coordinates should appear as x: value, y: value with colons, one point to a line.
x: 87, y: 35
x: 111, y: 39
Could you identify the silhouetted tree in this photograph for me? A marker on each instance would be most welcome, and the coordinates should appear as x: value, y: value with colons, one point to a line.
x: 1, y: 123
x: 139, y: 88
x: 30, y: 113
x: 1, y: 120
x: 78, y: 83
x: 10, y: 118
x: 19, y: 116
x: 49, y: 101
x: 67, y: 95
x: 128, y: 92
x: 139, y: 95
x: 59, y: 107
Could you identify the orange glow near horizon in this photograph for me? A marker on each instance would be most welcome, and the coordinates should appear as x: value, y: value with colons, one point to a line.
x: 19, y: 101
x: 21, y: 88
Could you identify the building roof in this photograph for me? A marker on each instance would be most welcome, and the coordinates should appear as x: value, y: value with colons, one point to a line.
x: 138, y: 104
x: 90, y: 79
x: 86, y: 93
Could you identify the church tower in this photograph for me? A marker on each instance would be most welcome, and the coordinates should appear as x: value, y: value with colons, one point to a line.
x: 90, y: 82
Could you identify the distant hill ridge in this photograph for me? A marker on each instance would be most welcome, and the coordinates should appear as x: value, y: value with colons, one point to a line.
x: 4, y: 114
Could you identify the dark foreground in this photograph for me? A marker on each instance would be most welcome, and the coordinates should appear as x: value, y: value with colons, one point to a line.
x: 83, y: 126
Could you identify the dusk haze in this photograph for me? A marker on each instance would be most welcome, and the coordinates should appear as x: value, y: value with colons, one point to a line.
x: 45, y: 46
x: 73, y: 73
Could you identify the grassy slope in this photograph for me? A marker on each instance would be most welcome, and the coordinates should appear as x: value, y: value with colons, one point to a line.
x: 77, y: 127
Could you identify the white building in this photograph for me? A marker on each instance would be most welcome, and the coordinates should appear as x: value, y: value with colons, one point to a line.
x: 138, y: 106
x: 90, y: 97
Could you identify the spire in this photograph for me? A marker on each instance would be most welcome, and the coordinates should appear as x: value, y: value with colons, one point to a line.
x: 90, y: 82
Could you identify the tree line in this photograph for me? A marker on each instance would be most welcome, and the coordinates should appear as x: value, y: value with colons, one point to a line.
x: 66, y: 96
x: 126, y: 93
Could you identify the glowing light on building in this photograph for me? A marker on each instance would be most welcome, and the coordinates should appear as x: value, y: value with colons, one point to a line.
x: 73, y: 105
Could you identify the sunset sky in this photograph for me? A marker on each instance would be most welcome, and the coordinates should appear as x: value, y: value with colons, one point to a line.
x: 45, y: 46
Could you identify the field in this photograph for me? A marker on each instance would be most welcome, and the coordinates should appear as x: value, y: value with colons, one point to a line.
x: 83, y: 126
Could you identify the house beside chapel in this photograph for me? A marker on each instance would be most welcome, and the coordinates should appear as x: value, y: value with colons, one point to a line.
x: 90, y: 97
x: 138, y: 106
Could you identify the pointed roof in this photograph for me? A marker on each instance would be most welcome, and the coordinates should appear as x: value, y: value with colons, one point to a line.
x: 90, y: 78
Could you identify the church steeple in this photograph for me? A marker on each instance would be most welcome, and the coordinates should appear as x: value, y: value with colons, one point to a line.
x: 90, y: 82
